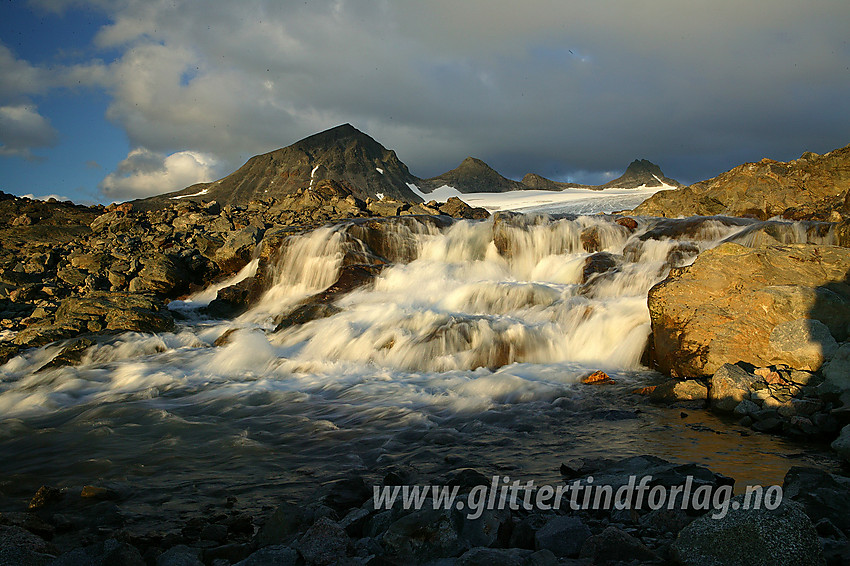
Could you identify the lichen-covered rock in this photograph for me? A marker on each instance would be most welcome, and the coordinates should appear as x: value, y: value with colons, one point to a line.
x: 784, y: 536
x: 734, y: 304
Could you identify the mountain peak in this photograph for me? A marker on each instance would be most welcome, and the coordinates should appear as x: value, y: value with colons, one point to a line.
x: 342, y: 154
x: 641, y: 173
x: 473, y: 176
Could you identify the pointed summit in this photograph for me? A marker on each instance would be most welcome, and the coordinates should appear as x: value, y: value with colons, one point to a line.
x: 641, y: 173
x: 473, y: 176
x: 342, y: 154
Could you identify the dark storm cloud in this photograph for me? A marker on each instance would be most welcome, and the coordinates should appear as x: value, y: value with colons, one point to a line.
x: 565, y: 89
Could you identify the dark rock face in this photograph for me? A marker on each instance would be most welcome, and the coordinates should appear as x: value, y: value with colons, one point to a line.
x: 641, y: 173
x: 537, y: 182
x: 472, y: 176
x: 343, y: 154
x: 809, y: 188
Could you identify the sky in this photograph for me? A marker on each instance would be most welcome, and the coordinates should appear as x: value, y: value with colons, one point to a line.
x: 109, y: 100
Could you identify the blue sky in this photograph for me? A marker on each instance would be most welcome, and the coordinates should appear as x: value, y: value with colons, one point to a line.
x: 104, y: 100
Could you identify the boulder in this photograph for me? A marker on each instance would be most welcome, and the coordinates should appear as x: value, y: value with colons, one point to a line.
x: 162, y: 273
x: 730, y: 385
x: 238, y: 249
x: 736, y: 304
x: 563, y: 536
x: 675, y: 390
x: 822, y: 494
x: 750, y: 537
x: 325, y: 542
x: 842, y: 444
x: 613, y: 545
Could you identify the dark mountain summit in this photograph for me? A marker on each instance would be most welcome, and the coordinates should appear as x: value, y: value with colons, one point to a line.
x: 640, y: 173
x: 342, y: 154
x: 472, y: 176
x: 540, y: 183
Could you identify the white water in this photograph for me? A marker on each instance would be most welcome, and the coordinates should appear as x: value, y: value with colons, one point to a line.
x: 455, y: 346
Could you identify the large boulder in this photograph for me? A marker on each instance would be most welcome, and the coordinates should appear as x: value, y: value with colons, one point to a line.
x: 750, y: 537
x: 764, y: 306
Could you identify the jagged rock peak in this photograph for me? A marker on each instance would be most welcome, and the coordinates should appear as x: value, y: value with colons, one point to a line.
x: 641, y: 173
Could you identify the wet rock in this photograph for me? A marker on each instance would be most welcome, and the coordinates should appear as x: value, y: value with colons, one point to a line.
x: 563, y: 536
x: 323, y: 543
x: 589, y: 239
x: 303, y: 314
x: 69, y: 355
x: 45, y: 496
x: 751, y: 537
x: 613, y: 545
x: 98, y: 493
x: 235, y: 299
x: 598, y: 263
x: 627, y: 222
x: 7, y: 352
x: 727, y: 304
x: 238, y: 249
x: 597, y: 377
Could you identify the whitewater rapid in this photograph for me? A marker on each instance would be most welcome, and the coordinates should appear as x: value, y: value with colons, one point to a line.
x: 470, y: 344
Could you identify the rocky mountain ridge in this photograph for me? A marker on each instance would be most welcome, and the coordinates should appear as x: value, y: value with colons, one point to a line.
x: 813, y: 187
x: 345, y: 154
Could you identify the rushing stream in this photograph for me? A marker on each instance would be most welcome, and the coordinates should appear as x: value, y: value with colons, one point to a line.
x: 466, y: 352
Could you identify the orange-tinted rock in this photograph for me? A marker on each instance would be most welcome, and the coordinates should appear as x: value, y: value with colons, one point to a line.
x: 597, y: 378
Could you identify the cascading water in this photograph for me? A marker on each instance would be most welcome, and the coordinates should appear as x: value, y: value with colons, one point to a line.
x: 474, y: 335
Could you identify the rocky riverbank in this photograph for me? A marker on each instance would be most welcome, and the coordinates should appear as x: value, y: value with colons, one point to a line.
x: 341, y: 525
x: 67, y: 270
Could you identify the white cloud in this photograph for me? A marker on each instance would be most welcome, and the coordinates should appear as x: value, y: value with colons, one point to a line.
x: 23, y: 129
x: 146, y: 173
x: 550, y: 86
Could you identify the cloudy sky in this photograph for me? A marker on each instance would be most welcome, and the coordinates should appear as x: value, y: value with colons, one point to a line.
x: 104, y: 100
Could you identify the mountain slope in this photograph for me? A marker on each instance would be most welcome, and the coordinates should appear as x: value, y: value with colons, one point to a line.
x: 811, y: 187
x: 472, y: 176
x: 537, y: 182
x: 342, y: 154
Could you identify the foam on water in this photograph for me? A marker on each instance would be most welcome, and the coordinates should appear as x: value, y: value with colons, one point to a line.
x: 479, y: 329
